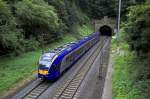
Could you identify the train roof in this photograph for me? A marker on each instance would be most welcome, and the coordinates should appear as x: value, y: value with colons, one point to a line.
x: 71, y: 45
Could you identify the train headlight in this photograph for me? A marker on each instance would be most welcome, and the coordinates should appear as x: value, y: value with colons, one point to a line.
x: 43, y: 72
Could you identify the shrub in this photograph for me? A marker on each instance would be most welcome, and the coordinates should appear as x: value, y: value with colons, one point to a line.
x: 31, y: 44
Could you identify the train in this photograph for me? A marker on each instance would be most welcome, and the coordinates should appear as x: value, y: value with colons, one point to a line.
x: 52, y: 64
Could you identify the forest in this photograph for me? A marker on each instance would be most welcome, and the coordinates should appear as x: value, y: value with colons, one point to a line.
x: 29, y: 25
x: 26, y: 24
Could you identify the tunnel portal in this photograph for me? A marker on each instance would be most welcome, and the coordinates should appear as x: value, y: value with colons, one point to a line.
x: 106, y: 30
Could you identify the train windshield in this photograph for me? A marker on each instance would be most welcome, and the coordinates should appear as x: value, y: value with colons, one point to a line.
x: 47, y: 59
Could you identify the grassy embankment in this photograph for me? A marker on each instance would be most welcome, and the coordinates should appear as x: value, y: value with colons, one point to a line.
x: 15, y: 69
x: 125, y: 85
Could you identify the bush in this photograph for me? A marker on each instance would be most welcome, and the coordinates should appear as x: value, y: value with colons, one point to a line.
x: 31, y: 45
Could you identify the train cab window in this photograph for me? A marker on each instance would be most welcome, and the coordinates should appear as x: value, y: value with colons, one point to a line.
x: 45, y: 59
x: 48, y: 57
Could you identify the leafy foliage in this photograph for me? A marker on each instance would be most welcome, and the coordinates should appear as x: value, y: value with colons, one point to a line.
x: 135, y: 66
x: 98, y: 8
x: 69, y: 14
x: 139, y: 37
x: 28, y: 24
x: 124, y: 6
x: 36, y: 17
x: 127, y: 76
x: 9, y: 35
x: 138, y: 29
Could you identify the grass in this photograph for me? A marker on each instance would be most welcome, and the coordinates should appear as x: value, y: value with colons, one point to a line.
x: 16, y: 69
x: 120, y: 76
x: 85, y: 30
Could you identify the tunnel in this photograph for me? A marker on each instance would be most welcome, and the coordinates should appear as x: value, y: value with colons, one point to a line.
x: 106, y: 30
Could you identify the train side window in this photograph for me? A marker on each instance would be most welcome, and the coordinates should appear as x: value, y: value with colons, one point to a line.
x: 66, y: 62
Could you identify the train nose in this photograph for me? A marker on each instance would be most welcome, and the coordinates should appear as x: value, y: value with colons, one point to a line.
x: 43, y: 72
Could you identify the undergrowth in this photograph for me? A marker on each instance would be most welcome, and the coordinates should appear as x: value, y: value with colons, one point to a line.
x: 126, y: 84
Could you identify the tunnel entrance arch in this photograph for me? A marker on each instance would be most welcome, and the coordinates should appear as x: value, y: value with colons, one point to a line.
x: 105, y: 26
x: 106, y: 30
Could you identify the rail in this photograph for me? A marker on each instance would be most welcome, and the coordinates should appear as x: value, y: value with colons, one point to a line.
x: 69, y: 89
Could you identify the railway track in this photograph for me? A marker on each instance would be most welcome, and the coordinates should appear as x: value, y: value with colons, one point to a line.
x: 69, y: 89
x: 71, y: 86
x: 37, y: 91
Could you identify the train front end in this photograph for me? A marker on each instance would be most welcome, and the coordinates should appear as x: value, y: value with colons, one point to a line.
x: 46, y: 67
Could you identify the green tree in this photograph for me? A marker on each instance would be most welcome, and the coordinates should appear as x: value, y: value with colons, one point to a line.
x: 9, y: 35
x: 68, y: 13
x: 36, y: 17
x: 60, y: 6
x: 138, y: 36
x: 98, y: 8
x: 138, y: 28
x: 124, y: 6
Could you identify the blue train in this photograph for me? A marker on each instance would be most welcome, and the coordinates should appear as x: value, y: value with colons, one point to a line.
x: 52, y: 64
